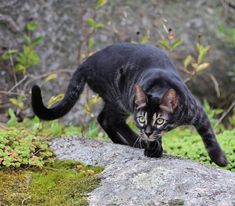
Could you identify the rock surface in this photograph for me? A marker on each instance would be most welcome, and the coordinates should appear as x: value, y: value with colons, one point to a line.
x: 129, y: 178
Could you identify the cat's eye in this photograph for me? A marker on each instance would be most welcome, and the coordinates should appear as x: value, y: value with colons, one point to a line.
x: 141, y: 119
x: 160, y: 121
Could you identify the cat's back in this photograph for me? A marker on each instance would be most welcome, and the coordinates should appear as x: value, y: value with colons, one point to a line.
x: 120, y: 54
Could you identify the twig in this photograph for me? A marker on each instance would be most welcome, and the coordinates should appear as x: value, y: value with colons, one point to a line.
x: 216, y: 84
x: 10, y: 22
x: 187, y: 80
x: 35, y: 77
x: 4, y: 106
x: 12, y: 68
x: 3, y: 126
x: 20, y: 82
x: 11, y: 93
x: 190, y: 77
x: 37, y: 152
x: 225, y: 113
x: 25, y: 199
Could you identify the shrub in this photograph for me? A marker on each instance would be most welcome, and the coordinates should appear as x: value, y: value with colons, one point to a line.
x: 22, y: 144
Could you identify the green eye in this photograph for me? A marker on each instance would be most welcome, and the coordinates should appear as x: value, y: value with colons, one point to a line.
x: 141, y: 119
x: 160, y: 121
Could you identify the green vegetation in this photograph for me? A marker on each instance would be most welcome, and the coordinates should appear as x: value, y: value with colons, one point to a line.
x: 22, y: 60
x: 59, y: 183
x: 29, y: 172
x: 26, y: 143
x: 185, y: 142
x: 227, y: 34
x: 27, y: 56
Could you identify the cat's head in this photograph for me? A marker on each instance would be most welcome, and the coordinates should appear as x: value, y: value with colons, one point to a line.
x: 153, y: 114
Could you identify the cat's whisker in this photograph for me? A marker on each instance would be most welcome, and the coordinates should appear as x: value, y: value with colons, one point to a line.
x: 139, y: 141
x: 136, y: 141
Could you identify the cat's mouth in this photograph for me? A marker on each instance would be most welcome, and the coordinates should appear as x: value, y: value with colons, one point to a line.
x: 150, y: 138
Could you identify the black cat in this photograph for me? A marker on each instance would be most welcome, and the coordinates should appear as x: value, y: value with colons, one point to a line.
x: 140, y: 80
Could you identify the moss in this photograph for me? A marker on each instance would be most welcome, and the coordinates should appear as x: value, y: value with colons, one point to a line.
x: 174, y: 202
x: 61, y: 183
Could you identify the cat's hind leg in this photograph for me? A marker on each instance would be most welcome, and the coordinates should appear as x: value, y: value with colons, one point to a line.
x: 103, y: 119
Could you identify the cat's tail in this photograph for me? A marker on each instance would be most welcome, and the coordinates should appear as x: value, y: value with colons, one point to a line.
x: 72, y: 94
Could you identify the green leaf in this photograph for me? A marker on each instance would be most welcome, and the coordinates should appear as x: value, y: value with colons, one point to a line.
x: 17, y: 102
x: 202, y: 53
x: 36, y: 123
x: 90, y: 103
x: 91, y: 42
x: 99, y: 25
x: 188, y: 59
x: 55, y: 99
x: 177, y: 42
x: 9, y: 54
x: 31, y: 26
x: 91, y: 22
x: 232, y: 121
x: 72, y: 130
x: 100, y: 3
x: 27, y: 39
x: 27, y: 58
x: 56, y: 128
x: 51, y: 77
x: 94, y: 25
x: 164, y: 44
x: 37, y: 41
x: 198, y: 47
x: 20, y: 68
x: 221, y: 29
x: 202, y: 66
x: 144, y: 39
x: 92, y: 130
x: 12, y: 122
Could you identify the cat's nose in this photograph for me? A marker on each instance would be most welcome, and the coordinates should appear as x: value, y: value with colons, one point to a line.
x: 148, y: 131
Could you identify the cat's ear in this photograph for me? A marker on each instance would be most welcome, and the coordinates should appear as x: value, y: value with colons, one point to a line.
x: 140, y: 98
x: 169, y: 101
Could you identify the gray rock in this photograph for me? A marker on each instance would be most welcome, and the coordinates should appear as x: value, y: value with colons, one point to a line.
x: 130, y: 178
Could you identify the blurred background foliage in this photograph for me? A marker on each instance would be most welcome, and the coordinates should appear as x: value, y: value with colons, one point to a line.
x: 37, y: 50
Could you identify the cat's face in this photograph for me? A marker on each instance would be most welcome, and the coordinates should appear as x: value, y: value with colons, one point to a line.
x: 152, y: 117
x: 151, y: 125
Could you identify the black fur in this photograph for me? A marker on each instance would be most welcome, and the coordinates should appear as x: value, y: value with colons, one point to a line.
x: 113, y: 73
x: 75, y: 88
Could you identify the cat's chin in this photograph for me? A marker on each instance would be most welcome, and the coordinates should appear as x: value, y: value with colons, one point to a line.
x: 151, y: 139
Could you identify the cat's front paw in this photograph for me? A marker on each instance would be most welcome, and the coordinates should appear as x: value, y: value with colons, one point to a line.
x: 218, y: 156
x: 153, y: 151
